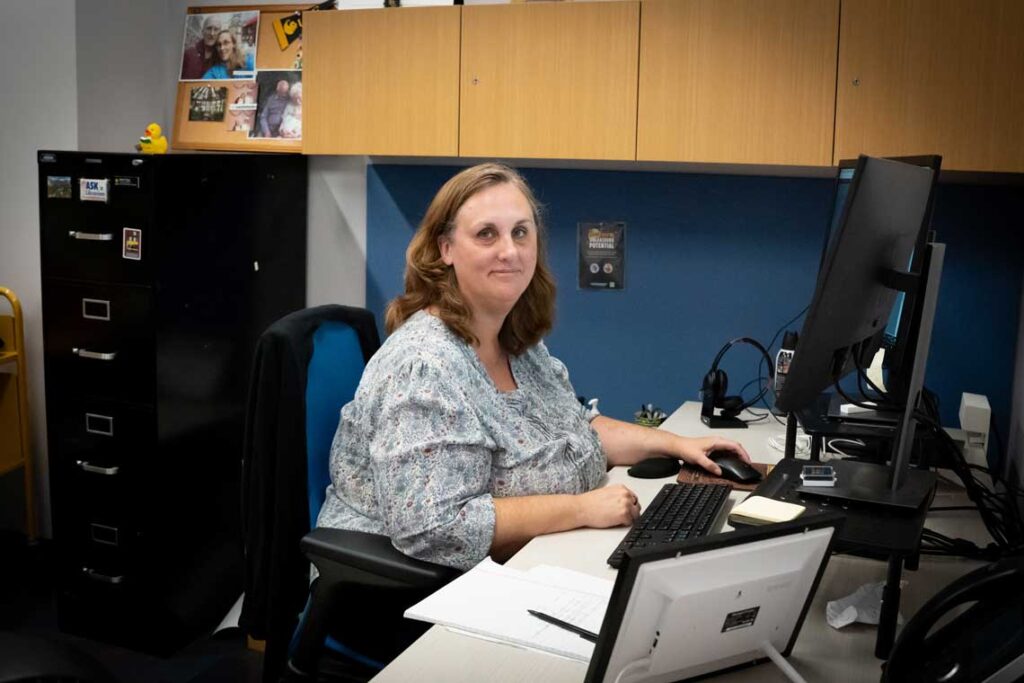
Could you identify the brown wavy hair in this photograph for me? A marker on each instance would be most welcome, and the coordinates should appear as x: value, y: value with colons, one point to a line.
x: 430, y: 282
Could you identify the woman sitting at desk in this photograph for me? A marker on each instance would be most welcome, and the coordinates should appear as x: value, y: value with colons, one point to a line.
x: 465, y: 437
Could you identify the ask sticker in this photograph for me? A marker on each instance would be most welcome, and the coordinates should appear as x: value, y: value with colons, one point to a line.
x: 92, y: 189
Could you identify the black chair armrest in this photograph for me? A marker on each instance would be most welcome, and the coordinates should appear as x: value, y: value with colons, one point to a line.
x: 374, y: 554
x: 344, y: 558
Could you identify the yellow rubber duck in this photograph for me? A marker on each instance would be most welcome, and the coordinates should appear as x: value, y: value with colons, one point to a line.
x: 153, y: 142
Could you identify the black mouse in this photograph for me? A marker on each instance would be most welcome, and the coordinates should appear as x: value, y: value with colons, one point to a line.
x: 654, y: 468
x: 734, y: 468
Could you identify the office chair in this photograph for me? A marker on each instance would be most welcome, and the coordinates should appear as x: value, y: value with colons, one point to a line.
x: 307, y: 366
x: 970, y: 631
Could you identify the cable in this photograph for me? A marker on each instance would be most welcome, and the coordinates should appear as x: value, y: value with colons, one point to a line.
x: 829, y: 445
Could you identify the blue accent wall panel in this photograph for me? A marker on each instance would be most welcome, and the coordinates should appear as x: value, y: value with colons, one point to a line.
x: 713, y: 257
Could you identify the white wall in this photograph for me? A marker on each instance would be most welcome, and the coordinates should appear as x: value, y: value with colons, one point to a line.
x: 122, y: 62
x: 37, y: 49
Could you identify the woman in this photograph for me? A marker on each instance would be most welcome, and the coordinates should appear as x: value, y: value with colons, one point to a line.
x: 291, y: 119
x: 230, y: 62
x: 465, y: 437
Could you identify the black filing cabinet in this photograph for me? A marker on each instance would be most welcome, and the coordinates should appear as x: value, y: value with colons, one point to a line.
x: 158, y: 274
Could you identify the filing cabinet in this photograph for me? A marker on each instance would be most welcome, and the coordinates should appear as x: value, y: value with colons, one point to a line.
x: 158, y: 274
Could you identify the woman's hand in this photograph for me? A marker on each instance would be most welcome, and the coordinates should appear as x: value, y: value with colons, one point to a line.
x: 607, y: 507
x: 695, y: 450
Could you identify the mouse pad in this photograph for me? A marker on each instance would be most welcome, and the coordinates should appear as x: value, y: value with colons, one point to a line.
x: 690, y: 474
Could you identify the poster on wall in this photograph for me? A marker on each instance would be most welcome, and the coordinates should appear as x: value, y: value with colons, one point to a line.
x: 602, y: 255
x: 220, y: 46
x: 279, y: 109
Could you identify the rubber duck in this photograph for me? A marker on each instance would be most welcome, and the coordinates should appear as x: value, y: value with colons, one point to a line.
x: 153, y: 142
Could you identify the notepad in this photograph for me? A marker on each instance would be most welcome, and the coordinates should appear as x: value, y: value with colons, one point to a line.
x: 490, y: 601
x: 760, y: 510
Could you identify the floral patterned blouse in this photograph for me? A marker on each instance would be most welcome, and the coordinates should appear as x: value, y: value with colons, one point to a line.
x: 429, y: 441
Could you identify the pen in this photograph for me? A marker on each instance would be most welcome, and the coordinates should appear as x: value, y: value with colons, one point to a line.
x: 581, y: 632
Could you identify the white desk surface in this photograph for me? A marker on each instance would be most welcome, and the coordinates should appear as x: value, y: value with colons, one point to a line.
x: 821, y: 653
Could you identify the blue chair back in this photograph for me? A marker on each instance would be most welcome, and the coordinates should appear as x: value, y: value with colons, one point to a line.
x: 331, y: 380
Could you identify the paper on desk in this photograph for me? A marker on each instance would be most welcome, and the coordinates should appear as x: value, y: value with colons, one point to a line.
x: 490, y: 601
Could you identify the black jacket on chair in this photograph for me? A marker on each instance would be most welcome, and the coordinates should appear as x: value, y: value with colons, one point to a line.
x: 275, y: 503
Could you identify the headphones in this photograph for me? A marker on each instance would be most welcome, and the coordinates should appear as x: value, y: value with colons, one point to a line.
x: 716, y: 384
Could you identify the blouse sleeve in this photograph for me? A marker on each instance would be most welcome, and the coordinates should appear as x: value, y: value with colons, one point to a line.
x: 432, y: 468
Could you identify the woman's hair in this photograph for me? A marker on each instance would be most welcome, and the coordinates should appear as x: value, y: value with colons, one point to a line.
x: 431, y: 282
x: 237, y: 59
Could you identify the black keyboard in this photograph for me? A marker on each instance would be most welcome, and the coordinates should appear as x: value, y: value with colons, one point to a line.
x: 678, y: 512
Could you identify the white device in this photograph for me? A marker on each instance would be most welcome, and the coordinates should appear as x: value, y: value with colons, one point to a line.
x: 975, y: 417
x: 713, y: 603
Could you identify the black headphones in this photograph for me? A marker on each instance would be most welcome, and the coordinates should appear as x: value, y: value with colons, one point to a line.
x: 716, y: 384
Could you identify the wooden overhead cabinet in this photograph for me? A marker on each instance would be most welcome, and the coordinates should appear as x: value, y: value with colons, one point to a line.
x: 382, y: 81
x: 737, y: 81
x: 549, y: 80
x: 933, y: 76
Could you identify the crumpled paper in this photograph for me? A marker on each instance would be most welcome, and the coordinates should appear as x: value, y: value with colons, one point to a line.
x: 863, y: 605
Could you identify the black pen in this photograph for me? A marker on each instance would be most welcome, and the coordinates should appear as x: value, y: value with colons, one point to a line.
x: 581, y: 632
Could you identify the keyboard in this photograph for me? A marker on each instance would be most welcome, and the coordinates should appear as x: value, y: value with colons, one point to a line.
x: 678, y: 512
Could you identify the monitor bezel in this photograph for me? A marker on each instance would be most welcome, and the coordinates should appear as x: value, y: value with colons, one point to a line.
x: 634, y: 559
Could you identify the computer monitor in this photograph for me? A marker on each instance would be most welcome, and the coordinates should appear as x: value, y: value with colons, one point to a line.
x: 714, y: 603
x: 877, y: 232
x: 898, y: 338
x: 865, y: 267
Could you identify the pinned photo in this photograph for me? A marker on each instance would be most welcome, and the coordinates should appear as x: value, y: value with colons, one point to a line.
x: 58, y: 187
x: 280, y: 105
x: 242, y: 95
x: 220, y: 46
x: 241, y: 119
x: 207, y: 103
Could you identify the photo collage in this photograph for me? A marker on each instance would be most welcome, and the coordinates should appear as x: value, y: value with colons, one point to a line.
x: 219, y: 55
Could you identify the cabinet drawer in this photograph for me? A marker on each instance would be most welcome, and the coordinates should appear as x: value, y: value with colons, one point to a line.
x: 102, y: 441
x: 98, y: 240
x: 99, y: 340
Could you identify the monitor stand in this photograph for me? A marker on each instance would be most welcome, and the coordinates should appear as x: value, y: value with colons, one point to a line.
x: 866, y: 482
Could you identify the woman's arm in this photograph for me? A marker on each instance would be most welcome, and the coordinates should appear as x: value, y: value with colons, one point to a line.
x: 519, y: 519
x: 625, y: 443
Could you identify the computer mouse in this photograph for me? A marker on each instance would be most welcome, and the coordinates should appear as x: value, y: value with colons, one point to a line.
x: 654, y: 468
x: 734, y: 468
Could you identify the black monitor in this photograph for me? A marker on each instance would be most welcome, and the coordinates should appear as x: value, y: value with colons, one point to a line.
x: 877, y: 232
x: 899, y: 336
x: 863, y: 270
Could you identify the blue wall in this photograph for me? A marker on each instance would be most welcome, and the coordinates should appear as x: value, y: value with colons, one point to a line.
x: 712, y: 257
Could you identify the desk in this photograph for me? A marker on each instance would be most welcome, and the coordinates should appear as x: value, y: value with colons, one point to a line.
x: 821, y: 652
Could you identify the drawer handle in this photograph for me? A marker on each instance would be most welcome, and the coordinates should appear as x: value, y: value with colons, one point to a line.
x: 93, y: 236
x: 96, y: 469
x: 105, y: 578
x: 94, y: 355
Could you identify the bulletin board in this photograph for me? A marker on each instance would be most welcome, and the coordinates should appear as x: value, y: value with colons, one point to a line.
x: 211, y: 114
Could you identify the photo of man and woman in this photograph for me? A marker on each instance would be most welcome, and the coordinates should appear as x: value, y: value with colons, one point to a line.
x: 279, y: 113
x: 219, y: 46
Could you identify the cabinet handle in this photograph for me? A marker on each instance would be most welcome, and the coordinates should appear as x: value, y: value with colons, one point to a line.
x: 94, y: 355
x: 94, y: 236
x: 96, y: 469
x: 105, y: 578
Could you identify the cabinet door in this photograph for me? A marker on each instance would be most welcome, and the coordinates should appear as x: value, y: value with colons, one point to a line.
x: 549, y: 80
x: 933, y: 76
x: 737, y: 81
x: 382, y: 82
